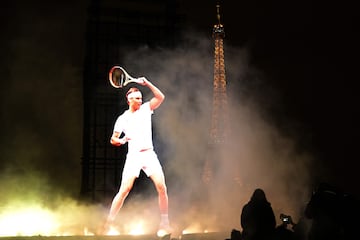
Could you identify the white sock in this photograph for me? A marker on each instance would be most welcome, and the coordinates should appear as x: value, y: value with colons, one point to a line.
x: 165, y: 219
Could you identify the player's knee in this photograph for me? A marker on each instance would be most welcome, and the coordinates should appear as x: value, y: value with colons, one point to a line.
x: 120, y: 195
x: 161, y: 188
x: 124, y: 190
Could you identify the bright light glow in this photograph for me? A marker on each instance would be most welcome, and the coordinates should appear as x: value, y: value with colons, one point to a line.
x: 87, y: 232
x: 192, y: 229
x: 137, y: 229
x: 161, y: 233
x: 112, y: 232
x: 37, y: 220
x: 27, y: 222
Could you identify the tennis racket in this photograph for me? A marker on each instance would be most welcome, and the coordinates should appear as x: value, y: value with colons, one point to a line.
x: 119, y: 78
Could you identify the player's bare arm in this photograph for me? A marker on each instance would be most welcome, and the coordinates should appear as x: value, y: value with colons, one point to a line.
x: 158, y: 95
x: 116, y: 140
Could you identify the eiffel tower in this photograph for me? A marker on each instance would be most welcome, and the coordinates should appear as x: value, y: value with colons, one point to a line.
x: 219, y: 119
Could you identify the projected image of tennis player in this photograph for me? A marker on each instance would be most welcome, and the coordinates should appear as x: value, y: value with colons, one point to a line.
x: 135, y: 128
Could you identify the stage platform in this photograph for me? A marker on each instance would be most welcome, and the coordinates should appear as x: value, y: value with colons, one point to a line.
x: 192, y: 236
x: 117, y: 237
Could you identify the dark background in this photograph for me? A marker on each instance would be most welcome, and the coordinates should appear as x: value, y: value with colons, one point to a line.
x: 306, y: 51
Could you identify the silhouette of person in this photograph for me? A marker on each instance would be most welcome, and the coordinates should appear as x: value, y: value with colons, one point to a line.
x: 257, y: 218
x: 334, y: 214
x: 282, y: 232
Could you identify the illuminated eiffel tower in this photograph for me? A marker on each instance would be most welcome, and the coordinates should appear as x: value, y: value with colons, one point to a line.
x: 219, y: 120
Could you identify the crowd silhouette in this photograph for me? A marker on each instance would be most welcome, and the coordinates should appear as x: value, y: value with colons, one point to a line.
x: 329, y: 214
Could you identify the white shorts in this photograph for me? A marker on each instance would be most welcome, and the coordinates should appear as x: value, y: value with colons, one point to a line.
x: 146, y: 161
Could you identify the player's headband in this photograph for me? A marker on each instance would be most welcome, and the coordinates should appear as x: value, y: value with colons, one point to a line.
x: 136, y: 94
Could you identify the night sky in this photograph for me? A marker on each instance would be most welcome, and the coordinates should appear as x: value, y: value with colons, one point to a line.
x: 306, y: 54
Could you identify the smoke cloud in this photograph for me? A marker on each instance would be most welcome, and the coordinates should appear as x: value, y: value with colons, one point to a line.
x: 258, y: 154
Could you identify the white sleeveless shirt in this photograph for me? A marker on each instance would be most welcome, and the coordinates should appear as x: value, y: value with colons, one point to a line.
x: 136, y: 126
